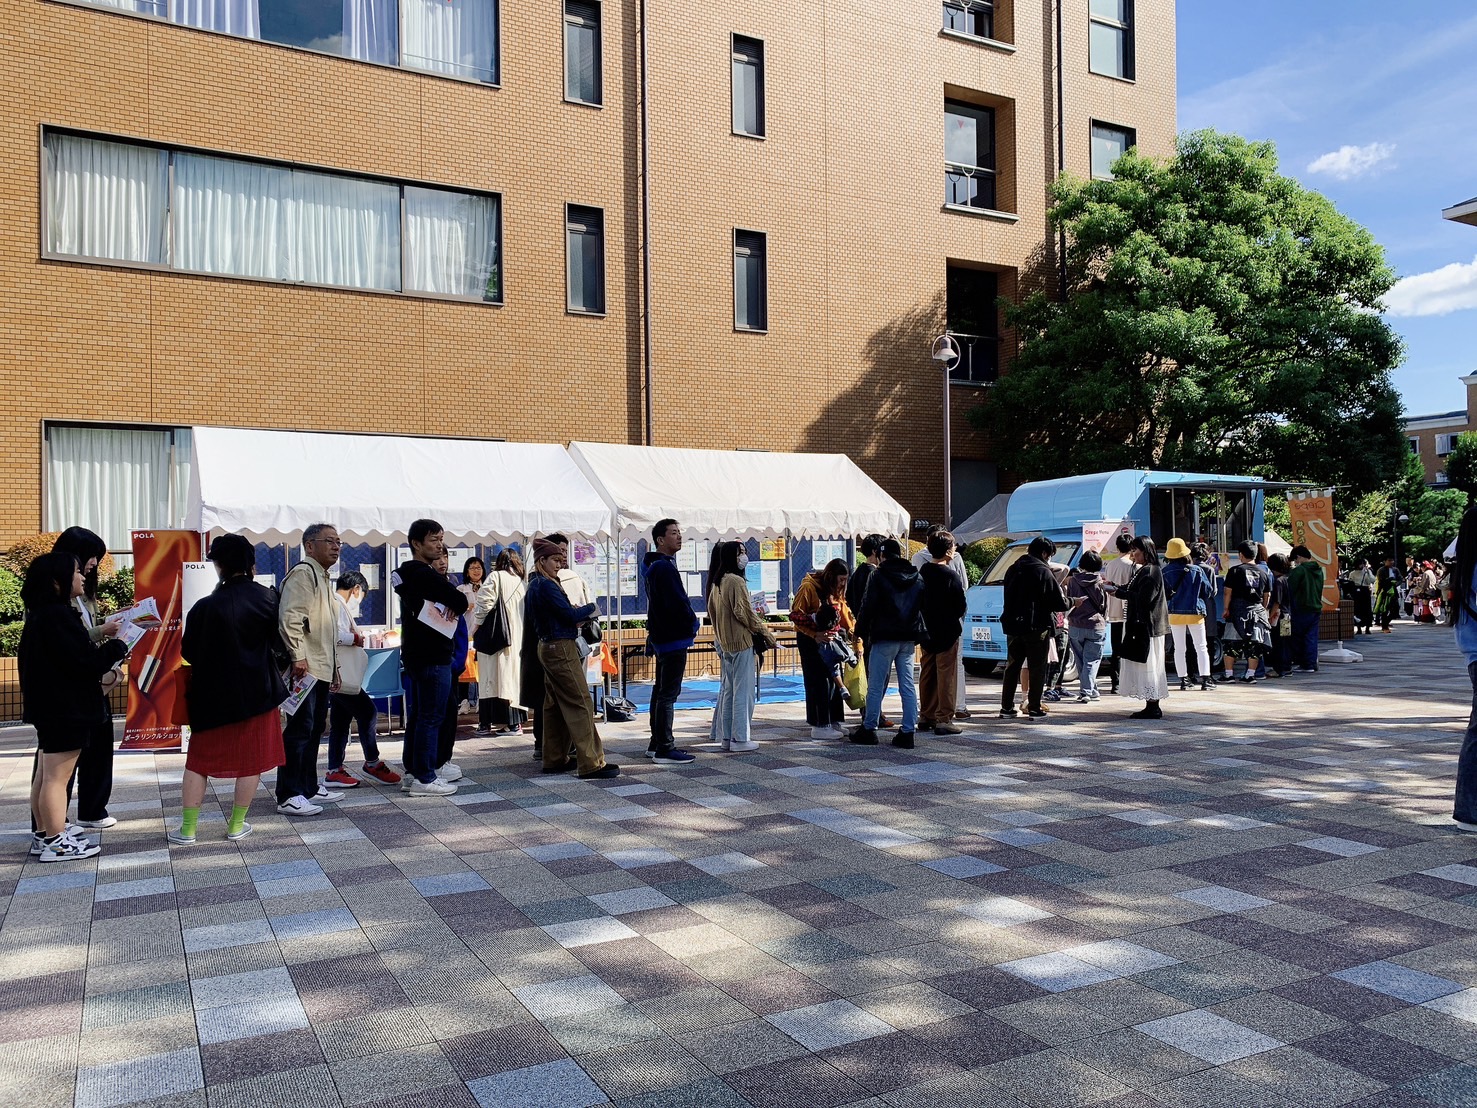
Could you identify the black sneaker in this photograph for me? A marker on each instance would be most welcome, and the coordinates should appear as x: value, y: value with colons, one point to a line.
x: 671, y: 756
x: 903, y: 740
x: 862, y: 736
x: 1036, y: 713
x: 605, y: 772
x: 1008, y: 713
x: 565, y: 767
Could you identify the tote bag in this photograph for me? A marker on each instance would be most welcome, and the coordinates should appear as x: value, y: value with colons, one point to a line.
x: 353, y: 661
x: 492, y: 635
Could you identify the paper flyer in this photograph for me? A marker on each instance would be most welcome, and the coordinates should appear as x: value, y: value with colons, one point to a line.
x: 823, y: 551
x: 687, y: 558
x: 298, y: 692
x: 771, y: 550
x: 439, y: 618
x: 694, y: 584
x: 583, y: 553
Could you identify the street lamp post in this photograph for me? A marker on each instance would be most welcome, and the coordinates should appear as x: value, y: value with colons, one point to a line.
x: 946, y: 353
x: 1397, y: 520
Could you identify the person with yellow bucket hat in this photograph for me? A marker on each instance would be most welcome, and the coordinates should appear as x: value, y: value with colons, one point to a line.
x: 1188, y: 588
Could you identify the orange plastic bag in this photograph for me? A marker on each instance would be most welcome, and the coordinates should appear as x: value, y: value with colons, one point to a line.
x: 607, y: 660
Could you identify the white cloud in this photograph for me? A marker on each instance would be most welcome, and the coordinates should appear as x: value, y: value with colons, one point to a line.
x: 1348, y: 162
x: 1452, y: 288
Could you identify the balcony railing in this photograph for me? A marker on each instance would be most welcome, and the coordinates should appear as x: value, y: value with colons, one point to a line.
x: 969, y: 186
x: 979, y: 359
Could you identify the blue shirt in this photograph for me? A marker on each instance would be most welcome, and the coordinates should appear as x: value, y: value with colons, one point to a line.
x: 1466, y: 626
x: 553, y: 616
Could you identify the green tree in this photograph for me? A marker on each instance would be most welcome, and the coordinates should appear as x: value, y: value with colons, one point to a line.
x: 1221, y: 317
x: 1461, y: 464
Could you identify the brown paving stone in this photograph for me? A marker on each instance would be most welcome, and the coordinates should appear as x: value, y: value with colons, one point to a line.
x: 284, y: 1050
x: 778, y: 992
x: 986, y: 987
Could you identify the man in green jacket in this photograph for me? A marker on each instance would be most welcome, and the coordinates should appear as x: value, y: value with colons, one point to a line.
x: 1305, y: 582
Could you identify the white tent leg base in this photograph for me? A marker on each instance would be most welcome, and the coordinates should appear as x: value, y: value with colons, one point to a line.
x: 1340, y: 655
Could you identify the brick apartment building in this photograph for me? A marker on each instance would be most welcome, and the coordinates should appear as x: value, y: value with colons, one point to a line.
x: 1433, y: 437
x: 426, y: 217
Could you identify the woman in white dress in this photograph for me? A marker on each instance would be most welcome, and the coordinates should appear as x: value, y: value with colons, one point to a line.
x: 499, y: 675
x: 1141, y: 666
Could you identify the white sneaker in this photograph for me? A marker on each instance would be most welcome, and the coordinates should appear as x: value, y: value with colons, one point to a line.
x: 73, y: 832
x: 449, y: 771
x: 179, y: 838
x: 407, y: 779
x: 298, y: 806
x: 837, y: 729
x: 100, y: 824
x: 437, y: 787
x: 64, y: 849
x: 822, y: 732
x: 325, y: 795
x: 741, y: 748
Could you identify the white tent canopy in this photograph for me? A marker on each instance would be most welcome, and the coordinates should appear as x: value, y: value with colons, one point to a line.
x: 272, y: 484
x: 723, y: 493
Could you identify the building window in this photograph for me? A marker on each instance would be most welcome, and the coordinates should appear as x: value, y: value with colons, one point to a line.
x: 975, y: 18
x: 1445, y: 444
x: 1110, y: 38
x: 1109, y: 143
x: 748, y: 86
x: 584, y: 238
x: 1442, y: 478
x: 582, y: 52
x: 969, y: 155
x: 971, y: 318
x: 198, y: 213
x: 1415, y: 445
x: 457, y: 38
x: 114, y: 480
x: 750, y: 282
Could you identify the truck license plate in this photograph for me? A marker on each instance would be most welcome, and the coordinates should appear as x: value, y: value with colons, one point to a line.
x: 980, y: 633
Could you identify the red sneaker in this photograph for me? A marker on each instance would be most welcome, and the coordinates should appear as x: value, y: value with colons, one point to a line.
x: 342, y: 778
x: 381, y: 772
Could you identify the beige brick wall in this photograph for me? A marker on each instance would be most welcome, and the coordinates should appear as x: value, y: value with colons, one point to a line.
x: 847, y: 186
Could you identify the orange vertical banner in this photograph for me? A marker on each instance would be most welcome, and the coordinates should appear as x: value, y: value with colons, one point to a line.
x: 159, y: 558
x: 1312, y: 526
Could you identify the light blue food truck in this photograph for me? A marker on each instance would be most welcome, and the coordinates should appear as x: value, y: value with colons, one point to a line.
x: 1223, y: 509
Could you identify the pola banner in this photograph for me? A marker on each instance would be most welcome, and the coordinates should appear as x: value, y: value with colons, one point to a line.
x: 1312, y: 526
x: 159, y: 559
x: 1100, y: 536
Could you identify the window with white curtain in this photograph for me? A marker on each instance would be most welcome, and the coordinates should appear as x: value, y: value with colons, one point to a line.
x: 114, y: 480
x: 108, y: 201
x: 750, y: 281
x: 457, y: 38
x: 105, y: 200
x: 1109, y: 143
x: 582, y: 52
x: 453, y: 243
x: 584, y: 239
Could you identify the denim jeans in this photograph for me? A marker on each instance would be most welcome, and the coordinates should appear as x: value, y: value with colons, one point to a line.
x: 735, y: 711
x: 668, y: 687
x: 1305, y: 638
x: 344, y: 709
x: 302, y: 736
x: 428, y: 691
x: 885, y: 657
x: 1087, y: 648
x: 1465, y: 808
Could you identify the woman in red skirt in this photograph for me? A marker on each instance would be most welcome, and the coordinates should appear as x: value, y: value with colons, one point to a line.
x: 235, y: 690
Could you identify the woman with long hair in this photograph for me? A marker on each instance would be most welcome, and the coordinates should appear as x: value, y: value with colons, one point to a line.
x: 59, y: 670
x: 235, y: 688
x: 474, y: 576
x: 1464, y: 618
x: 820, y: 614
x: 735, y: 627
x: 1145, y: 626
x: 500, y: 704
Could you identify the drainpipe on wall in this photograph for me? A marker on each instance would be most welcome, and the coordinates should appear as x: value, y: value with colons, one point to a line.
x: 1061, y: 142
x: 646, y: 366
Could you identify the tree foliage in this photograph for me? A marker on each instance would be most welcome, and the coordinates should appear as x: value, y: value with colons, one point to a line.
x: 1461, y: 464
x: 1221, y: 318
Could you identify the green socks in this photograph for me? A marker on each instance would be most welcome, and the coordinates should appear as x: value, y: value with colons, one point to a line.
x: 189, y: 817
x: 238, y: 819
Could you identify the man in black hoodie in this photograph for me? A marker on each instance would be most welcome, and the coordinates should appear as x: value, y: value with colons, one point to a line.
x: 891, y: 623
x: 944, y: 605
x: 425, y: 652
x: 1032, y: 599
x: 671, y: 627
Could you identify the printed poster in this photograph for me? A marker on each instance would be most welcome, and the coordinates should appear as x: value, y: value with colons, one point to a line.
x: 771, y: 550
x: 823, y: 551
x: 1312, y: 526
x: 1102, y: 536
x: 159, y: 559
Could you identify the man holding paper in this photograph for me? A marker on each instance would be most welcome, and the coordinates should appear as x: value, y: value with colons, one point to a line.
x: 308, y: 623
x: 429, y: 607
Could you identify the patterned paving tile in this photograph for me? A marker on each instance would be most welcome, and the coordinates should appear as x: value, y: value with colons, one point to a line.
x: 835, y: 1023
x: 1397, y: 981
x: 1208, y: 1036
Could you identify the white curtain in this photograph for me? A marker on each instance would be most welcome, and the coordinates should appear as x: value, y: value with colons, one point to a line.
x: 179, y: 474
x: 371, y: 30
x: 452, y: 243
x: 451, y: 36
x: 231, y: 217
x: 107, y: 479
x: 281, y: 224
x: 105, y: 199
x: 234, y: 17
x: 148, y: 7
x: 344, y: 231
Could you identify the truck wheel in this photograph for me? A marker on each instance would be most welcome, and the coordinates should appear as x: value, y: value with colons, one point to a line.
x: 977, y: 667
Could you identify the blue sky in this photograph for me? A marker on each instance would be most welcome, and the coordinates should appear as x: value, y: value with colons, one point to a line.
x: 1375, y: 106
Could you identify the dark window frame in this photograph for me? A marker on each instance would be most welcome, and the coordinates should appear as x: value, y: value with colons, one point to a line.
x: 1130, y: 136
x: 577, y: 220
x: 757, y: 61
x: 978, y: 338
x: 970, y: 11
x: 960, y: 173
x: 1123, y: 28
x: 762, y: 239
x: 573, y: 19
